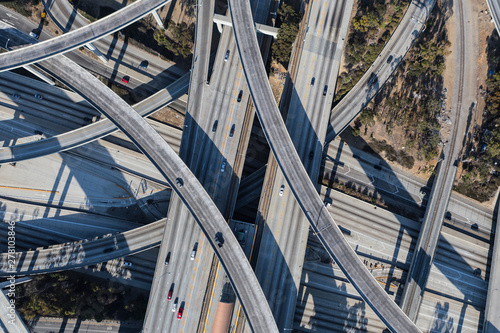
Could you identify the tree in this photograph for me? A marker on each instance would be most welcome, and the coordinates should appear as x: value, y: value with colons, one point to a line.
x: 287, y: 33
x: 178, y: 38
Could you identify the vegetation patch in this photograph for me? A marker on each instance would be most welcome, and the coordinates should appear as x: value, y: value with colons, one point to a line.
x: 288, y: 22
x: 412, y: 105
x: 371, y: 28
x: 178, y: 38
x: 23, y: 7
x: 71, y: 294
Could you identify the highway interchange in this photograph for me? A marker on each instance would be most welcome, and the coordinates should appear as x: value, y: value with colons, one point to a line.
x: 57, y: 66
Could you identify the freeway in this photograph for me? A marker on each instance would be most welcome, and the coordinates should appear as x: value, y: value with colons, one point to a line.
x: 182, y: 181
x: 283, y: 224
x: 492, y: 313
x: 385, y: 242
x: 382, y: 68
x: 396, y: 186
x: 90, y: 132
x: 494, y: 7
x: 217, y: 119
x: 183, y: 226
x: 72, y: 40
x: 463, y: 104
x: 295, y: 174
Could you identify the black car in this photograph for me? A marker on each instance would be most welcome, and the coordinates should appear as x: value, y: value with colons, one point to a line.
x: 214, y: 128
x: 179, y: 182
x: 239, y: 96
x: 219, y: 240
x: 231, y: 132
x: 325, y: 90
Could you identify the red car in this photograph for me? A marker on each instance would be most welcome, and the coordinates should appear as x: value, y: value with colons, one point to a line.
x: 125, y: 80
x: 179, y: 314
x: 170, y: 295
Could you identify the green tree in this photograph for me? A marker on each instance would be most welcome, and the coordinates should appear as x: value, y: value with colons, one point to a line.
x: 178, y: 38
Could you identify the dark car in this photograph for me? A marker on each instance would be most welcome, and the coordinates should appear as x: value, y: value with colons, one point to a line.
x: 312, y: 81
x: 214, y: 128
x: 226, y: 56
x: 179, y: 182
x: 239, y: 96
x: 144, y: 64
x: 125, y: 79
x: 389, y: 59
x: 231, y: 132
x: 325, y: 90
x: 219, y: 239
x: 311, y: 155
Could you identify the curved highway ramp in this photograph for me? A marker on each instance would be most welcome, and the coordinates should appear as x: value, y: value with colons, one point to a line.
x: 321, y: 222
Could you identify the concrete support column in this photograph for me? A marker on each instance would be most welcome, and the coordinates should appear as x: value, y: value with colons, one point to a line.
x: 158, y: 19
x: 39, y: 74
x: 96, y: 51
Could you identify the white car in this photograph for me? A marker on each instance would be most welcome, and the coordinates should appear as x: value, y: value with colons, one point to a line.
x: 282, y: 190
x: 174, y: 306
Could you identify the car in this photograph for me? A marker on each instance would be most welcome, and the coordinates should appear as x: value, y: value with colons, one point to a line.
x: 34, y: 35
x: 312, y: 81
x: 282, y: 190
x: 179, y: 314
x: 16, y: 96
x: 223, y: 166
x: 231, y: 132
x: 167, y: 260
x: 377, y: 167
x: 170, y: 292
x: 193, y: 253
x: 214, y: 127
x: 311, y: 154
x: 389, y: 59
x: 125, y: 79
x: 38, y: 96
x: 207, y: 82
x: 179, y: 182
x: 327, y: 202
x: 174, y: 306
x: 219, y: 239
x: 144, y: 64
x: 127, y: 263
x: 226, y: 56
x: 239, y: 96
x: 325, y: 90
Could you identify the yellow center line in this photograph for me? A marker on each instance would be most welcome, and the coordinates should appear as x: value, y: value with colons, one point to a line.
x: 211, y: 296
x: 28, y: 189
